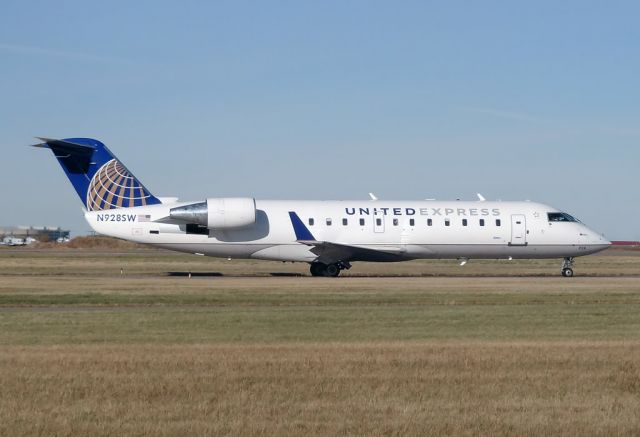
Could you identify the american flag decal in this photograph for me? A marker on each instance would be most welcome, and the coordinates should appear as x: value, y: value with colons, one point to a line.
x: 144, y: 217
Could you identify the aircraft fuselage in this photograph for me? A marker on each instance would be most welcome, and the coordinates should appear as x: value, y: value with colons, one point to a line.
x: 401, y: 230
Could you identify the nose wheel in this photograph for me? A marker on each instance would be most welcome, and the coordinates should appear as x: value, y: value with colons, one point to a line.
x: 567, y: 268
x: 567, y: 273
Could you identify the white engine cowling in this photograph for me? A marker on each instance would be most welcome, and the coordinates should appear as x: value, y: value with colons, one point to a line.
x: 218, y: 213
x: 232, y: 212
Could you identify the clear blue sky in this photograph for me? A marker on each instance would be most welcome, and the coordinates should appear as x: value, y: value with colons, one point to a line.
x: 329, y: 100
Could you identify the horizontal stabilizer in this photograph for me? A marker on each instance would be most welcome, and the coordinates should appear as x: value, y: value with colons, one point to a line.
x: 74, y: 157
x: 52, y: 143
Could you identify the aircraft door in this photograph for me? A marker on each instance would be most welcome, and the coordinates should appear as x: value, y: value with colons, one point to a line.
x: 378, y: 223
x: 518, y: 230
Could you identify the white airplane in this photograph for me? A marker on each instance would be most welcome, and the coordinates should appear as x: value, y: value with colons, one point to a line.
x: 329, y: 235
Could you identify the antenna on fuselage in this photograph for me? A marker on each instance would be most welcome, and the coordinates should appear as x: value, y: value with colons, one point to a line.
x: 373, y: 196
x: 481, y: 197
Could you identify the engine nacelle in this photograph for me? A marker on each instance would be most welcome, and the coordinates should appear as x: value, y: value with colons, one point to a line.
x: 218, y: 213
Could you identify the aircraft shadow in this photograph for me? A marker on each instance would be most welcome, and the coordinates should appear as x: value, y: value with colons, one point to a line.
x: 216, y: 274
x: 195, y: 274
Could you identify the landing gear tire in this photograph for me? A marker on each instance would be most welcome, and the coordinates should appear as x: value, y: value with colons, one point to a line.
x: 328, y: 270
x: 332, y: 271
x: 567, y: 268
x: 317, y: 269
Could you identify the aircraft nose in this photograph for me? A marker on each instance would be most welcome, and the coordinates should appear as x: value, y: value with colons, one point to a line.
x: 599, y: 239
x: 604, y: 242
x: 594, y: 238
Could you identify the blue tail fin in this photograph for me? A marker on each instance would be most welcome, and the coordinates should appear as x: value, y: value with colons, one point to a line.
x: 100, y: 179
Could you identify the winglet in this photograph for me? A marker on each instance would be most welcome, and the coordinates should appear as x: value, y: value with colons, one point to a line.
x: 302, y: 233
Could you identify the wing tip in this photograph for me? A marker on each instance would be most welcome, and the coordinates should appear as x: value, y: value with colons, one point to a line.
x: 301, y: 231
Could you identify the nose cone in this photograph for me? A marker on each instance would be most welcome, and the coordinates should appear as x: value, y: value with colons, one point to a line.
x: 599, y: 239
x: 596, y: 242
x: 603, y: 242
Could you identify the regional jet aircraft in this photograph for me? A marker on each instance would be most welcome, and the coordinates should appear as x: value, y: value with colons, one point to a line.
x: 328, y: 235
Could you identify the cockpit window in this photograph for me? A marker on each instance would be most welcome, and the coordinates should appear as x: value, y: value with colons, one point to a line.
x: 561, y: 217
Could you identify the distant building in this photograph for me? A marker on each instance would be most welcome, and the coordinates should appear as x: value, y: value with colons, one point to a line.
x: 30, y: 234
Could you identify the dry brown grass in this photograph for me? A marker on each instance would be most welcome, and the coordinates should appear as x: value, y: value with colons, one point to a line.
x: 376, y: 389
x: 85, y: 351
x: 100, y: 243
x: 89, y: 242
x: 140, y: 260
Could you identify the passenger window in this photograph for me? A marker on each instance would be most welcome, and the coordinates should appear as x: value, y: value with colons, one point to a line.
x: 498, y: 222
x: 412, y: 222
x: 345, y: 222
x: 464, y: 222
x: 361, y: 222
x: 395, y: 222
x: 429, y: 222
x: 481, y: 222
x: 311, y: 221
x: 447, y: 222
x: 328, y: 222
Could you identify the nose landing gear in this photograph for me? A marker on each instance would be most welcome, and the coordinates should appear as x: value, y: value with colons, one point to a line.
x: 567, y: 268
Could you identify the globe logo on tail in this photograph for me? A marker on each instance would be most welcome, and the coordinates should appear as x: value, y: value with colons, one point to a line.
x: 113, y: 186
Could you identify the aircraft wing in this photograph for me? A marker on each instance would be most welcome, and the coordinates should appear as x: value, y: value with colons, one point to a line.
x: 329, y: 252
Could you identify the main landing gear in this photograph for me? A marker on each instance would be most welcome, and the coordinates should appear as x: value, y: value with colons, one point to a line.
x: 567, y: 268
x: 328, y: 270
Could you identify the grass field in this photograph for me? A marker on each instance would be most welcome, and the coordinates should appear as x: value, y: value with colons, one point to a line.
x: 125, y: 343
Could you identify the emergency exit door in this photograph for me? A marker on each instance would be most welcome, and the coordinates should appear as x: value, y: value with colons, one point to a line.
x: 518, y: 230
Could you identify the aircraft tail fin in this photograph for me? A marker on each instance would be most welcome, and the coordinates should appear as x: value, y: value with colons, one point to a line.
x: 100, y: 179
